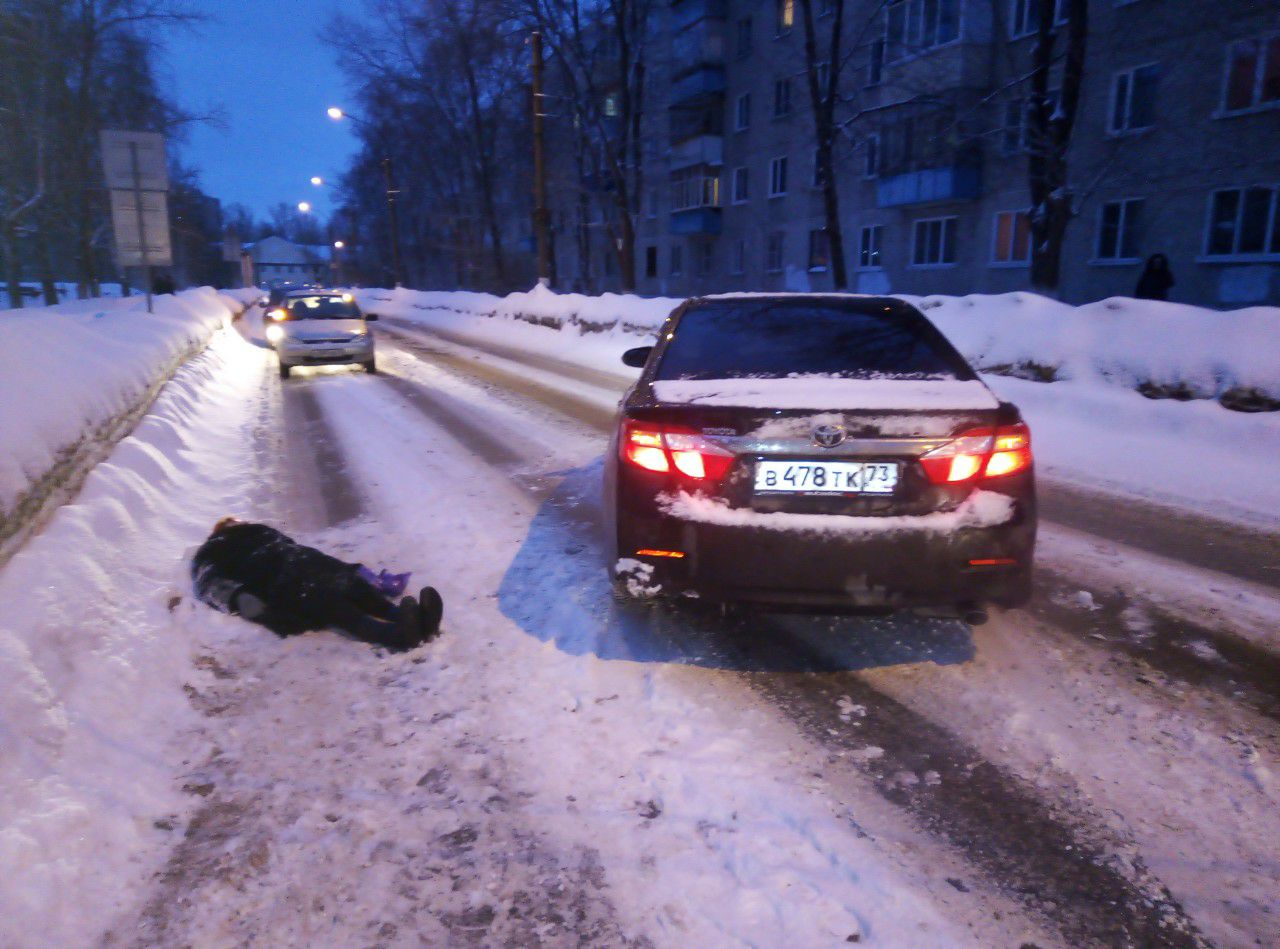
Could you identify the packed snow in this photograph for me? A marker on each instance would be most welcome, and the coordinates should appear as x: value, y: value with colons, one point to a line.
x: 69, y: 371
x: 826, y: 392
x: 1089, y: 426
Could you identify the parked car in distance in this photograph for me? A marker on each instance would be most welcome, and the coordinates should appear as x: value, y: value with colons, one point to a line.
x: 313, y: 328
x: 817, y: 451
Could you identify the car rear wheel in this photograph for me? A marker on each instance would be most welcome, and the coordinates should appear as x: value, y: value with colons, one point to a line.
x: 371, y: 367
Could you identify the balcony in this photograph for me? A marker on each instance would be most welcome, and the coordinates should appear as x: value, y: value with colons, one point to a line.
x: 704, y: 82
x: 703, y: 150
x: 688, y: 12
x: 701, y: 44
x: 697, y: 221
x: 929, y: 186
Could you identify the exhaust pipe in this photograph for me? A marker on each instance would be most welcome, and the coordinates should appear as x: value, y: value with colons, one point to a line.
x: 973, y: 615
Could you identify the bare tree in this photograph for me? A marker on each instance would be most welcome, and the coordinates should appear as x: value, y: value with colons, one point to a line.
x: 1051, y: 122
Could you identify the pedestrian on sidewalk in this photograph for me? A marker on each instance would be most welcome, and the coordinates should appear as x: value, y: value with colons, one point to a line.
x: 1156, y: 279
x: 256, y: 572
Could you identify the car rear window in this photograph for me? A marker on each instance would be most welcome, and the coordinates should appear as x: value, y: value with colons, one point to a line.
x: 735, y: 339
x: 322, y: 308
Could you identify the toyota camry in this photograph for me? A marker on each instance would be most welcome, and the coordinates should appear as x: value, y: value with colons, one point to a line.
x: 817, y: 451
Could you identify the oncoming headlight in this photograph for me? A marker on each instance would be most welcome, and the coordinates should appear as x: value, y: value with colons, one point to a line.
x: 275, y: 333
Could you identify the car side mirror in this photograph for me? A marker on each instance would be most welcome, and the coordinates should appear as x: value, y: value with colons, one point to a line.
x: 636, y: 358
x: 370, y: 317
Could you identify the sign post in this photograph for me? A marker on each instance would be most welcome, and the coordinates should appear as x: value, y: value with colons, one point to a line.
x: 137, y: 172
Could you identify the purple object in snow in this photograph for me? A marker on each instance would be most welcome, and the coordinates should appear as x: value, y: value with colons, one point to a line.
x: 390, y: 584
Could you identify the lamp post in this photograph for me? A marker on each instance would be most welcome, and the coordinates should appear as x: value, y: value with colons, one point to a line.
x: 337, y: 261
x: 393, y: 216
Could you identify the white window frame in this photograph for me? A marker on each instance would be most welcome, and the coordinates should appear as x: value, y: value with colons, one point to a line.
x: 905, y: 53
x: 995, y: 239
x: 1117, y: 259
x: 1259, y: 71
x: 745, y: 173
x: 778, y: 173
x: 950, y: 219
x: 1273, y: 223
x: 876, y: 232
x: 1059, y: 17
x: 1129, y: 74
x: 741, y: 111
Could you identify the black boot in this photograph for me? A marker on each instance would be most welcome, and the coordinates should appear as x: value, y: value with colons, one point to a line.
x: 430, y: 612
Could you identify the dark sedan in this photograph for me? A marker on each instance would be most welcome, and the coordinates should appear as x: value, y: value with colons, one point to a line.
x: 817, y: 451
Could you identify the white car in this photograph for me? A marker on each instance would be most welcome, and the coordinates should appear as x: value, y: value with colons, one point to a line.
x: 319, y: 328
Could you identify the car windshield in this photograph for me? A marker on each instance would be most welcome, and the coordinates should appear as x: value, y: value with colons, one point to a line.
x: 733, y: 339
x: 322, y: 308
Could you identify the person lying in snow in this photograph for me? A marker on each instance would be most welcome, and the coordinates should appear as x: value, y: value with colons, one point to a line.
x: 256, y: 572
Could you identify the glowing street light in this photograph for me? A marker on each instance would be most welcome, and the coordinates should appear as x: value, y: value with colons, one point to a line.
x: 317, y: 180
x: 304, y: 207
x: 335, y: 113
x: 339, y: 245
x: 393, y: 220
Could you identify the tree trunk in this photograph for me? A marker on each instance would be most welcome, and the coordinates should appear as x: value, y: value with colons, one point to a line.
x: 823, y: 102
x: 13, y: 270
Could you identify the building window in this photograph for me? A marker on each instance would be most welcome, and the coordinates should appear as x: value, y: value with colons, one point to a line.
x: 697, y: 187
x: 741, y: 185
x: 1120, y: 230
x: 1242, y: 221
x: 1253, y: 74
x: 934, y: 242
x: 742, y: 112
x: 651, y: 261
x: 819, y: 250
x: 744, y: 37
x: 704, y: 257
x: 778, y: 177
x: 912, y: 26
x: 738, y: 263
x: 773, y: 253
x: 786, y: 16
x: 1024, y: 18
x: 781, y: 97
x: 875, y: 64
x: 869, y: 247
x: 871, y: 164
x: 1012, y: 238
x: 677, y: 259
x: 1133, y: 98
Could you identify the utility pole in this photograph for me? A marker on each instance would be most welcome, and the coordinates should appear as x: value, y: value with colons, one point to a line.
x: 541, y: 215
x: 141, y: 218
x: 393, y: 222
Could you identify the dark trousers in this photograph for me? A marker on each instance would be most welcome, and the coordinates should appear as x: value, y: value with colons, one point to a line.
x: 351, y: 605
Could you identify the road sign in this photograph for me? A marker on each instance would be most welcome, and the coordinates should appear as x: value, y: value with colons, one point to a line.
x: 118, y: 150
x: 129, y: 232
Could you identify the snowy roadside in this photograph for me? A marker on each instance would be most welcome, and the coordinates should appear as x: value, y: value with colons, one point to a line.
x: 74, y: 377
x: 1090, y: 426
x: 92, y: 665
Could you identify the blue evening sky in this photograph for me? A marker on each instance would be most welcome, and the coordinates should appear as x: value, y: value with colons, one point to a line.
x: 263, y: 63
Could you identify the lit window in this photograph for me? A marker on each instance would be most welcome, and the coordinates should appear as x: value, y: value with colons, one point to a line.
x: 786, y: 15
x: 1012, y: 238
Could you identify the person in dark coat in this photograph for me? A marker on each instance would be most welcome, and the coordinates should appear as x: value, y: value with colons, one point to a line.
x: 1156, y: 279
x: 256, y: 572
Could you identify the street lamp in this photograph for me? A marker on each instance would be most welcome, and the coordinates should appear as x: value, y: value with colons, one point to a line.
x: 304, y: 207
x: 317, y: 180
x: 338, y: 245
x: 393, y: 219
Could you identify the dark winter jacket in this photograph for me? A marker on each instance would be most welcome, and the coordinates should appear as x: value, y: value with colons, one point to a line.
x: 257, y: 559
x: 1154, y: 283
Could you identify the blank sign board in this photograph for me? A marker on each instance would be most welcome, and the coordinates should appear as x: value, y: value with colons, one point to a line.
x: 155, y: 219
x: 118, y: 150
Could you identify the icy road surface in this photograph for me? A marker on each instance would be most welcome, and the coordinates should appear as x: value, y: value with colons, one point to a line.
x: 558, y: 769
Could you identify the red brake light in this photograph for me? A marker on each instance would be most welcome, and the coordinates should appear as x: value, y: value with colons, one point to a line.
x: 660, y: 448
x: 1005, y: 451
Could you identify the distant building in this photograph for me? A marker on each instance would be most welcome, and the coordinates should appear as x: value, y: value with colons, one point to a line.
x: 276, y: 260
x: 1176, y: 151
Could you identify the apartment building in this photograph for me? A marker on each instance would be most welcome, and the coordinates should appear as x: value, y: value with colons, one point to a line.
x: 1176, y: 149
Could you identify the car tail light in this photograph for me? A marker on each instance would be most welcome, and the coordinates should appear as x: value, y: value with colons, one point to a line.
x: 663, y: 448
x: 993, y: 454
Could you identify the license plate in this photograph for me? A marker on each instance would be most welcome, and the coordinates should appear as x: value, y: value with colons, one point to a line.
x: 826, y: 477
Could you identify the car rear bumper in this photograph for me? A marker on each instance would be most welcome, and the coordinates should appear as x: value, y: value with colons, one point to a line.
x: 904, y: 566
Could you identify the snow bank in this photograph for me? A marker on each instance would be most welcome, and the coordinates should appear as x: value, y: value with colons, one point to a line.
x: 1166, y: 349
x: 70, y: 375
x: 92, y: 662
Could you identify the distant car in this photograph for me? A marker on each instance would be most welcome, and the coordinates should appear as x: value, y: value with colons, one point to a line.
x: 817, y: 451
x: 313, y: 328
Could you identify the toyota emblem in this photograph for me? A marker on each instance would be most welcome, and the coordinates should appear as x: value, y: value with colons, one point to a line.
x: 828, y: 436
